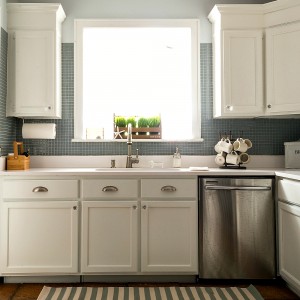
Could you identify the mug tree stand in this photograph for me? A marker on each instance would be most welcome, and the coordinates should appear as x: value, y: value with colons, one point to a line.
x: 230, y: 166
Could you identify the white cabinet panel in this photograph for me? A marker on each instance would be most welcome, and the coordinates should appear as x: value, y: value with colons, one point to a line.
x: 35, y: 71
x: 243, y: 73
x: 40, y: 238
x: 168, y: 188
x: 283, y: 69
x: 169, y: 236
x: 238, y: 73
x: 289, y: 190
x: 109, y: 188
x: 40, y: 189
x: 289, y: 243
x: 109, y: 236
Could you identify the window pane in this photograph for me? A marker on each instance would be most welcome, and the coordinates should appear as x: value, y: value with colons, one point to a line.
x: 138, y: 71
x: 137, y: 68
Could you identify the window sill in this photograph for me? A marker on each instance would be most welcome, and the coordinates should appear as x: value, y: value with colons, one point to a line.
x: 136, y: 141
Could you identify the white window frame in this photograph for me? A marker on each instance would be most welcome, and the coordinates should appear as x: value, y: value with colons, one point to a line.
x: 80, y: 24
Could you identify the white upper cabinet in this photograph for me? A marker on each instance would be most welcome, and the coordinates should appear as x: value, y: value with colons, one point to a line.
x: 238, y: 59
x: 245, y: 84
x: 242, y: 86
x: 34, y: 60
x: 283, y: 69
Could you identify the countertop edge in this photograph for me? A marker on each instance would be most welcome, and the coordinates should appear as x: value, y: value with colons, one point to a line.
x: 140, y: 172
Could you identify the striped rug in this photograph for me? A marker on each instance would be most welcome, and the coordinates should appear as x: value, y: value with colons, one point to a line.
x: 149, y: 293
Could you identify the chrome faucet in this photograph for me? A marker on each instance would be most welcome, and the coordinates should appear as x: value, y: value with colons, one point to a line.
x: 131, y: 160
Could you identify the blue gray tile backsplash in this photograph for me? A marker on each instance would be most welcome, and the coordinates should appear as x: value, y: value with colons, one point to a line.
x: 267, y: 135
x: 7, y: 125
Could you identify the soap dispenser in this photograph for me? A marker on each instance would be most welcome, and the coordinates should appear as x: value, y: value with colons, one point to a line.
x: 177, y: 159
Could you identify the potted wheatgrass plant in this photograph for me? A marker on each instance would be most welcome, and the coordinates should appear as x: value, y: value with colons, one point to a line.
x: 143, y: 123
x: 154, y: 124
x: 142, y: 127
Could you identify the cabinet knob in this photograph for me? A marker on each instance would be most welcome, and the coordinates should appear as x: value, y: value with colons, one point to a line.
x: 269, y: 106
x: 168, y: 188
x: 40, y: 189
x: 229, y: 107
x: 74, y: 207
x: 49, y: 107
x: 144, y: 206
x: 110, y: 188
x: 134, y: 206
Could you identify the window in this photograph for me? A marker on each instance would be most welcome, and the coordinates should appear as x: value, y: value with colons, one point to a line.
x: 137, y: 69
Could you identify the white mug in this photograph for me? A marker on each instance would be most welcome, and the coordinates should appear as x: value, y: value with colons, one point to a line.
x: 248, y: 142
x: 244, y: 158
x: 233, y: 158
x: 225, y: 145
x: 217, y: 148
x: 240, y: 145
x: 220, y: 159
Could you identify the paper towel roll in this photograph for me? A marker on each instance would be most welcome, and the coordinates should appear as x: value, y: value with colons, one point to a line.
x: 38, y: 131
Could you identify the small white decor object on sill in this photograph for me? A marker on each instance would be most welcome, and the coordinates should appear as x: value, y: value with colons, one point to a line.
x: 177, y: 159
x: 95, y: 133
x: 39, y: 131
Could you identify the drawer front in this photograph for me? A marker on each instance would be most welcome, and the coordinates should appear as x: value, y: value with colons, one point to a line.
x: 39, y: 189
x: 110, y: 188
x: 169, y: 188
x: 289, y: 190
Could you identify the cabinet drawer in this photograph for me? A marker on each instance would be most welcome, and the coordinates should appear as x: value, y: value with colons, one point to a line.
x: 289, y: 190
x: 39, y: 189
x: 169, y: 188
x: 107, y: 188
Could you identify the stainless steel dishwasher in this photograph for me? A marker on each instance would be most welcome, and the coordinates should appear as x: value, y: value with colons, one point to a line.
x: 237, y: 228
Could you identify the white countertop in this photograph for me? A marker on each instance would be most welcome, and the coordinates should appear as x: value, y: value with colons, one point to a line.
x: 289, y: 173
x: 99, y: 166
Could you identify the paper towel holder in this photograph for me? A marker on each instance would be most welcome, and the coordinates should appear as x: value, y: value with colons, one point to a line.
x: 38, y: 130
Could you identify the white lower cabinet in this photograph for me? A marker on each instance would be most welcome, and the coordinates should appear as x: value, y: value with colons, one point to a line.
x: 288, y: 232
x: 151, y: 233
x: 169, y: 236
x: 39, y: 237
x: 109, y: 236
x: 289, y: 243
x: 127, y: 226
x: 169, y: 226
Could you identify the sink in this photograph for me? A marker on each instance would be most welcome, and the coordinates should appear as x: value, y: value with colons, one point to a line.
x: 140, y: 169
x: 113, y: 169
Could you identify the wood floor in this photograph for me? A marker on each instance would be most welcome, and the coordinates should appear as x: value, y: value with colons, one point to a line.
x: 270, y: 291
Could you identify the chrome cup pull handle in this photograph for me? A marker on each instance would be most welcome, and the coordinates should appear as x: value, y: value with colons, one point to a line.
x: 168, y: 188
x: 40, y: 189
x: 110, y: 188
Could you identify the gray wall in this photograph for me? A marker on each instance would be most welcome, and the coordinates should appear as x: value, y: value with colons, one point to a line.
x: 268, y: 135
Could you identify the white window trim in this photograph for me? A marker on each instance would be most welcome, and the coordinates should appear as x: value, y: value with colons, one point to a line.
x: 80, y: 24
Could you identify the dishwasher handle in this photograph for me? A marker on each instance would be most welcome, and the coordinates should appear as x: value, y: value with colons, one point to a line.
x: 237, y: 188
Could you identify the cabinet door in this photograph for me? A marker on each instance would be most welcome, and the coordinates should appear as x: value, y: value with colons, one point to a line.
x: 109, y: 236
x: 32, y: 89
x: 169, y: 236
x: 240, y: 89
x: 283, y: 69
x: 289, y: 243
x: 39, y: 237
